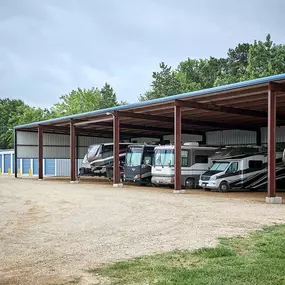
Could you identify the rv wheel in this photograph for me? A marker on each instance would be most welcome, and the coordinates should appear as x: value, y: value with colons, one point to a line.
x: 224, y: 187
x: 189, y: 183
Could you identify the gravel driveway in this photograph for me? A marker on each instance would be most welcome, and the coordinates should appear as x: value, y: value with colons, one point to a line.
x: 51, y: 232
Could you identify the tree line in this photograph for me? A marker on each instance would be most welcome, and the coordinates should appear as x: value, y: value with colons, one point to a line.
x: 245, y: 61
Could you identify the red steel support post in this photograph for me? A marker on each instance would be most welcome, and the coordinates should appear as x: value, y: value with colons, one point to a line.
x: 15, y: 154
x: 77, y: 155
x: 177, y: 144
x: 116, y: 141
x: 271, y: 190
x: 40, y: 151
x: 72, y: 152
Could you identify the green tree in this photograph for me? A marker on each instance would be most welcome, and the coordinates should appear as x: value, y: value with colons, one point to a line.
x: 245, y: 61
x: 166, y: 82
x: 108, y: 97
x: 77, y: 101
x: 14, y: 113
x: 8, y: 108
x: 265, y: 58
x: 85, y: 100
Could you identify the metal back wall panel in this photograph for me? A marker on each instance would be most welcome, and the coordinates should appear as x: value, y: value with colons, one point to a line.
x: 79, y: 162
x: 35, y: 166
x: 27, y: 151
x: 230, y: 137
x: 7, y: 162
x: 55, y: 145
x: 18, y: 164
x: 184, y: 138
x: 56, y: 152
x: 62, y: 167
x: 55, y: 139
x: 12, y: 163
x: 49, y: 166
x: 26, y: 165
x: 82, y: 151
x: 280, y: 135
x: 87, y: 141
x: 27, y: 138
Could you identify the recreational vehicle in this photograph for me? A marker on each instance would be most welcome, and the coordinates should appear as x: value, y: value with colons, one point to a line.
x: 194, y: 161
x: 241, y: 168
x: 85, y: 167
x: 100, y: 156
x: 138, y: 163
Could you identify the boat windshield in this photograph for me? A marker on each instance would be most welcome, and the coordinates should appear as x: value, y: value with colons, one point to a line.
x: 133, y: 156
x: 220, y: 166
x: 164, y: 157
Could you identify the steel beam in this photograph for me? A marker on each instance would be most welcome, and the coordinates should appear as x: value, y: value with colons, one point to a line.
x: 226, y: 109
x: 186, y: 121
x: 274, y: 86
x: 15, y: 154
x: 150, y: 128
x: 77, y: 155
x: 116, y: 141
x: 72, y: 151
x: 271, y: 188
x: 177, y: 145
x: 40, y: 152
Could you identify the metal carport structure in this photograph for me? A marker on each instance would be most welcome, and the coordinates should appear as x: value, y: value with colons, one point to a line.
x: 248, y: 105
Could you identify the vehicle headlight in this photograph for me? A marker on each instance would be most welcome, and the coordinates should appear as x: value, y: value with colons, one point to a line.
x: 213, y: 178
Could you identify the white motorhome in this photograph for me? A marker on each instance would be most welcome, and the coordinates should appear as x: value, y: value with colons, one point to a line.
x: 241, y: 168
x: 194, y: 161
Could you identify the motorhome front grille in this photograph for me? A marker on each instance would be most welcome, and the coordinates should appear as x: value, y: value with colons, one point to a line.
x: 205, y: 178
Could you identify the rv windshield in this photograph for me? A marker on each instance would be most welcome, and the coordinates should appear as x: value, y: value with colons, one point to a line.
x: 93, y: 152
x: 134, y: 156
x: 219, y: 166
x: 164, y: 157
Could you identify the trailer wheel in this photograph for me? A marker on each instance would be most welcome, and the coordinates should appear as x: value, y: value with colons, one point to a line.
x: 224, y: 187
x: 190, y: 183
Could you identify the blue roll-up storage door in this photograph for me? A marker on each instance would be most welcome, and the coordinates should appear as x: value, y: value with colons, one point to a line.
x: 13, y: 162
x: 26, y: 165
x: 35, y: 166
x: 7, y: 162
x: 50, y: 167
x: 18, y: 164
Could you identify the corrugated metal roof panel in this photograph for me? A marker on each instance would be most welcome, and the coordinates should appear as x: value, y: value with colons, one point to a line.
x: 227, y: 87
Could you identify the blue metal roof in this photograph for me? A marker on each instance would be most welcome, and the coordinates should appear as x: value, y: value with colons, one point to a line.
x: 242, y: 84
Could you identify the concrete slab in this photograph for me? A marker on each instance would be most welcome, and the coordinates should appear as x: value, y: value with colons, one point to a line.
x: 273, y: 200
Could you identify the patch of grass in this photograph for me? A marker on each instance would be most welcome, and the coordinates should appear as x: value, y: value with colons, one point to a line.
x: 258, y: 258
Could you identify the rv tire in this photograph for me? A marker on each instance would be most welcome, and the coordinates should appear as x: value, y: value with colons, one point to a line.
x: 224, y: 187
x: 190, y: 183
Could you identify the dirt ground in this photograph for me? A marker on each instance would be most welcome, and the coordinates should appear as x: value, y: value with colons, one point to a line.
x: 52, y: 232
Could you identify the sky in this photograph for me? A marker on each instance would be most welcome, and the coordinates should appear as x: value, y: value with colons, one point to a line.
x: 49, y: 47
